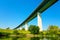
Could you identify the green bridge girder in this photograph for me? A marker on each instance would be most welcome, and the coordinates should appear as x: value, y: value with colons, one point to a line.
x: 41, y: 8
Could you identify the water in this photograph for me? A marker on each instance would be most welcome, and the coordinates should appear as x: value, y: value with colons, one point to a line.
x: 27, y: 38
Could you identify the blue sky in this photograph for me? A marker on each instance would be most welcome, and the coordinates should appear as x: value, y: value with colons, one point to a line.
x: 14, y: 12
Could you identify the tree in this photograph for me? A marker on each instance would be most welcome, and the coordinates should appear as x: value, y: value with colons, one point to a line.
x: 8, y: 28
x: 53, y: 30
x: 34, y: 29
x: 16, y: 32
x: 23, y: 28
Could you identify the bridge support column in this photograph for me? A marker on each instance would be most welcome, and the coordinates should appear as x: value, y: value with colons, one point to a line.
x: 39, y: 21
x: 20, y: 28
x: 26, y: 26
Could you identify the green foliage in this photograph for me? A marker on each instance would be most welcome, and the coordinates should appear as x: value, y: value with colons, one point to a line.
x: 53, y: 29
x: 35, y: 38
x: 34, y: 29
x: 15, y: 32
x: 4, y: 34
x: 0, y: 33
x: 23, y: 28
x: 8, y: 28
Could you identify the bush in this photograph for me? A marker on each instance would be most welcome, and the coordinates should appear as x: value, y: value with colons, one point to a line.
x: 34, y: 29
x: 15, y: 32
x: 23, y: 28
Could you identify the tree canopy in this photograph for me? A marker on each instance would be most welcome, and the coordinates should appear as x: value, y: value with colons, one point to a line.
x: 34, y: 29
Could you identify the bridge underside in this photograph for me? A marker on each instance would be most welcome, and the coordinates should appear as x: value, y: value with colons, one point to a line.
x: 41, y: 8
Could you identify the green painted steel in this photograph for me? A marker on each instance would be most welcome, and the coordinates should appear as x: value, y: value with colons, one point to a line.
x: 41, y: 8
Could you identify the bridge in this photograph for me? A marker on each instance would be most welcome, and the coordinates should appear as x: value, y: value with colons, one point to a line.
x: 36, y: 13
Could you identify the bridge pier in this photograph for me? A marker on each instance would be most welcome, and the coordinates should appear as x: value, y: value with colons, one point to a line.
x: 26, y: 26
x: 20, y: 28
x: 39, y: 20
